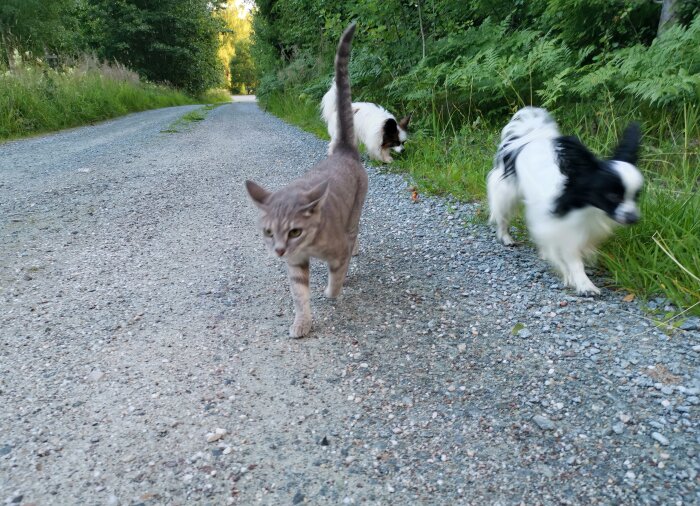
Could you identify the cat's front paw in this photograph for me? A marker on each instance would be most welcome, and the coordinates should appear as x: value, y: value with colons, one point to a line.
x: 300, y: 328
x: 333, y: 293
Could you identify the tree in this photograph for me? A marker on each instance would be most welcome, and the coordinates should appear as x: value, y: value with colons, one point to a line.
x: 173, y: 41
x: 37, y: 26
x: 238, y: 27
x: 243, y: 73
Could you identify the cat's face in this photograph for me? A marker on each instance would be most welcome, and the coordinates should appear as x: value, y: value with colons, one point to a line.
x: 289, y: 218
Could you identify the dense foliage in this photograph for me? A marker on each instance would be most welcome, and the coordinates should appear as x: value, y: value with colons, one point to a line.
x: 483, y: 57
x: 174, y: 41
x: 464, y: 67
x: 38, y: 26
x: 167, y: 41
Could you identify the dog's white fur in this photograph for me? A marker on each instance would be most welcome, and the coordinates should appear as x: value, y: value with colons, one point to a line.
x: 369, y: 123
x: 566, y: 240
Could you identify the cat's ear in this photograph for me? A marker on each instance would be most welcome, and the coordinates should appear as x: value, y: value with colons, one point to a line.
x: 257, y: 193
x: 405, y: 121
x: 314, y: 198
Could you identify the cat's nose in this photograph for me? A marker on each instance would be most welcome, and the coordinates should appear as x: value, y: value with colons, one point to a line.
x: 280, y: 251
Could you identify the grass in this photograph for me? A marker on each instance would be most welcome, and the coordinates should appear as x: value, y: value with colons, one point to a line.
x: 215, y: 96
x: 35, y: 98
x: 657, y: 256
x: 298, y: 110
x: 189, y: 117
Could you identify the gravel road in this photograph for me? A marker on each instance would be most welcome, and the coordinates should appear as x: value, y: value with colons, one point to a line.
x: 139, y: 313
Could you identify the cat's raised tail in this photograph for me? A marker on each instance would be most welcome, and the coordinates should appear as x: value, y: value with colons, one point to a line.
x: 346, y: 131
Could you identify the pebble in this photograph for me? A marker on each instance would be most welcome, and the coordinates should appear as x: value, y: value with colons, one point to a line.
x: 660, y: 438
x: 216, y: 435
x: 524, y: 333
x: 543, y: 422
x: 95, y: 375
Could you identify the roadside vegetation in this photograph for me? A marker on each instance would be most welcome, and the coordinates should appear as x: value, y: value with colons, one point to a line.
x: 65, y: 63
x: 35, y: 99
x: 180, y: 124
x: 463, y: 69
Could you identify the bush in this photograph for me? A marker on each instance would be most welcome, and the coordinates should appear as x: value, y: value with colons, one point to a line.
x: 35, y: 98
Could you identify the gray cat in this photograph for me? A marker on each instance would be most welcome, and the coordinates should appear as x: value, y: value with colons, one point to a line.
x: 318, y: 215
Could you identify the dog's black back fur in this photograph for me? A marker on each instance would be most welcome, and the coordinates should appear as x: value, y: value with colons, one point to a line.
x: 391, y: 134
x: 589, y: 180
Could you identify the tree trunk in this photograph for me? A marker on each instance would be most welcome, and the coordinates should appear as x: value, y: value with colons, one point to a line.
x: 669, y: 15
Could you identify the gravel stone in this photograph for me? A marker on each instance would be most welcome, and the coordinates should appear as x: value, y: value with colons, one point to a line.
x: 95, y: 375
x: 543, y: 422
x: 660, y: 438
x: 136, y: 253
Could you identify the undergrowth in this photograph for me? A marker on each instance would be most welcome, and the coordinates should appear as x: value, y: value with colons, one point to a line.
x: 188, y: 118
x: 35, y: 98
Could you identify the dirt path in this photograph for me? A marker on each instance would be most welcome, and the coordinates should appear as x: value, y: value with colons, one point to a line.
x: 139, y: 312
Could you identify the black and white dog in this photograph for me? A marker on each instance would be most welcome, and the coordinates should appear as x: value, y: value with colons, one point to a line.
x: 375, y: 127
x: 572, y: 198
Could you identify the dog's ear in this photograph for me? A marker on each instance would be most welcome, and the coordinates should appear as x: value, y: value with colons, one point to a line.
x: 391, y: 130
x: 574, y: 157
x: 627, y: 149
x: 257, y: 193
x: 404, y: 121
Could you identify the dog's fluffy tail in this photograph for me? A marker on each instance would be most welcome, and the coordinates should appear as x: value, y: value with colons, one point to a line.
x: 329, y: 110
x: 346, y: 134
x: 526, y: 125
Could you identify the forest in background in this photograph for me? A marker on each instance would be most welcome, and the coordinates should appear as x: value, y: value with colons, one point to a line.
x: 67, y: 62
x: 463, y: 68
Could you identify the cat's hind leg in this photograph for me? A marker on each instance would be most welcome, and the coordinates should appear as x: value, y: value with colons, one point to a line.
x: 353, y: 229
x: 299, y: 286
x: 337, y: 270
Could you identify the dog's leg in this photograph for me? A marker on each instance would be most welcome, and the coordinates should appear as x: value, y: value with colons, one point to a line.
x: 503, y: 197
x: 385, y: 156
x: 576, y: 276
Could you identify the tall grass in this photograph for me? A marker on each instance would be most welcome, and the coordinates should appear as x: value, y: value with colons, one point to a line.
x: 660, y: 255
x: 297, y: 109
x: 35, y: 98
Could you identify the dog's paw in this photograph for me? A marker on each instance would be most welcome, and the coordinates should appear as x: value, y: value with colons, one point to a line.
x: 300, y: 328
x: 588, y: 290
x: 507, y: 240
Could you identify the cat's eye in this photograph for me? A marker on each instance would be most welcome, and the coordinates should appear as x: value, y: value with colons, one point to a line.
x: 267, y: 232
x: 295, y: 232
